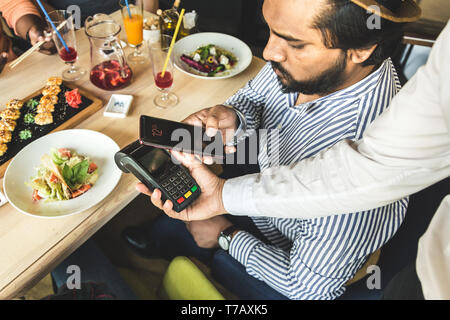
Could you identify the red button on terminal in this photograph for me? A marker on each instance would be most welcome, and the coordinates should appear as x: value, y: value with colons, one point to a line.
x: 180, y: 200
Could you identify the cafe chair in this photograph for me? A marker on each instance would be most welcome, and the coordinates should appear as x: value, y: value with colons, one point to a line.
x: 183, y: 280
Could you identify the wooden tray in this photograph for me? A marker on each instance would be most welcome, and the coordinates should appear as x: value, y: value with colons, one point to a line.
x: 64, y: 117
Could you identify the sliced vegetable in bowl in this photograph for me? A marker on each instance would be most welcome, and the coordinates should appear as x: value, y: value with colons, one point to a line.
x: 63, y: 175
x: 210, y: 59
x: 211, y: 55
x: 100, y: 150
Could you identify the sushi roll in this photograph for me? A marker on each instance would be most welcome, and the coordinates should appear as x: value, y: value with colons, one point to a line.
x: 5, y: 136
x: 10, y: 113
x: 45, y: 107
x: 14, y: 103
x: 7, y: 124
x: 51, y: 90
x: 43, y: 118
x: 54, y: 81
x: 49, y: 99
x: 3, y: 148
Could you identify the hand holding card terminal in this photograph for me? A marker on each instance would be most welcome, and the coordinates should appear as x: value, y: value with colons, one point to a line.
x: 156, y: 170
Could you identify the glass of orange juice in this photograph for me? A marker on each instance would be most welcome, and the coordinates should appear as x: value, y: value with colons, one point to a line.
x: 132, y: 14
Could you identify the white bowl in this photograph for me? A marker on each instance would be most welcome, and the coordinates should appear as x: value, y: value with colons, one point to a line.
x: 191, y: 43
x: 97, y: 146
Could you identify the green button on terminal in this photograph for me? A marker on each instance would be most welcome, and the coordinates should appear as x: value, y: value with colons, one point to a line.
x: 194, y: 188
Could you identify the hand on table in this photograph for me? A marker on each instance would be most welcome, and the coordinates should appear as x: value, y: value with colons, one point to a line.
x: 208, y: 204
x: 217, y: 118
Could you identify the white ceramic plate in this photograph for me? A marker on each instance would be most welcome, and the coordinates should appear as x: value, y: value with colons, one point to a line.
x: 95, y: 145
x: 191, y: 43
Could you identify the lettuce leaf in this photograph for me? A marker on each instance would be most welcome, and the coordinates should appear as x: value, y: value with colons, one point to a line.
x: 56, y: 158
x: 77, y: 174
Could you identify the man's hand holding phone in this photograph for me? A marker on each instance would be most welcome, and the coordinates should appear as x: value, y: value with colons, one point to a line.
x: 217, y: 118
x: 209, y: 204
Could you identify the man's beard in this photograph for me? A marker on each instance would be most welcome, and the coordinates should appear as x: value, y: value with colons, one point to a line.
x: 324, y: 83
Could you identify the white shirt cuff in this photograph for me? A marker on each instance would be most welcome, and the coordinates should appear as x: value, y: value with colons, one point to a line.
x: 237, y: 196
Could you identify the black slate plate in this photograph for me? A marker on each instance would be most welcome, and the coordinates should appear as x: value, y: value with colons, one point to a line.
x: 62, y: 113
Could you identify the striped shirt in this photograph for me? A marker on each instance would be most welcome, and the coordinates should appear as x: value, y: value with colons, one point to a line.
x: 313, y: 258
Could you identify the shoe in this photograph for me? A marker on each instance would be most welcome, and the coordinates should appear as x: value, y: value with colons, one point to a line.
x: 136, y: 239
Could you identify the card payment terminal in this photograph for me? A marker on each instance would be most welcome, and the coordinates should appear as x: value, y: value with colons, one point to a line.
x: 156, y: 170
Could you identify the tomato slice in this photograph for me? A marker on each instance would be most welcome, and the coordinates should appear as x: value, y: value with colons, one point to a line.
x: 92, y: 167
x: 36, y: 196
x: 81, y: 190
x: 65, y: 153
x: 53, y: 178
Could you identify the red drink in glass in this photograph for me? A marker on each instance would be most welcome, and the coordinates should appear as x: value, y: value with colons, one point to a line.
x: 66, y: 44
x: 162, y: 61
x: 164, y: 82
x: 68, y: 56
x: 108, y: 76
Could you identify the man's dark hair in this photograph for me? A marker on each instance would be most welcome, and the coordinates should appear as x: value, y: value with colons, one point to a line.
x: 344, y: 26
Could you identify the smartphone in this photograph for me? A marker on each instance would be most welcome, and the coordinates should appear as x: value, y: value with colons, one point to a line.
x: 172, y: 135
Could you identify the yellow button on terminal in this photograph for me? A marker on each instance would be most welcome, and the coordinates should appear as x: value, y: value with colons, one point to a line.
x: 187, y: 194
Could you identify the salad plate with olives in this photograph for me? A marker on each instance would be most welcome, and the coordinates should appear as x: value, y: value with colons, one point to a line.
x: 211, y: 55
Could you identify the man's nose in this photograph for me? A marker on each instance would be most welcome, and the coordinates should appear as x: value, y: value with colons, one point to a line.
x: 274, y: 50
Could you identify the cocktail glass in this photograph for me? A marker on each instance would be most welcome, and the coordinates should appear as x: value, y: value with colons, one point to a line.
x: 133, y: 21
x: 64, y: 22
x: 163, y: 79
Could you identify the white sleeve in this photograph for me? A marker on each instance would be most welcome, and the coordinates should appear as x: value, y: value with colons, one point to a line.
x: 405, y: 150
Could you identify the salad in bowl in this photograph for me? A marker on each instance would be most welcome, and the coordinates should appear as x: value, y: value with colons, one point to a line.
x: 63, y: 175
x: 210, y: 59
x: 211, y: 55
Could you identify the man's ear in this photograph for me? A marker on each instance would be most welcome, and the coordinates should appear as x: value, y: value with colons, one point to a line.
x: 358, y: 56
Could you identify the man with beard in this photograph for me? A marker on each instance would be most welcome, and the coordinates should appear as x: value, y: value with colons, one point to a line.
x: 328, y: 76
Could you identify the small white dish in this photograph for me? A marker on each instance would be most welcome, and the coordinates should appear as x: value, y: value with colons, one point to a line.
x: 99, y: 147
x: 191, y: 43
x: 118, y: 106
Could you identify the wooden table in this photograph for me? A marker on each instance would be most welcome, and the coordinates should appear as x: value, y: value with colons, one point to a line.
x: 31, y: 247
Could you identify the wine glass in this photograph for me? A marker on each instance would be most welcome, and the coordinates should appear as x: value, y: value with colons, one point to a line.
x: 67, y: 51
x: 133, y: 21
x: 158, y: 52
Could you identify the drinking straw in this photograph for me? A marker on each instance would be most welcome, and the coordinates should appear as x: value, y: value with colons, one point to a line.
x: 172, y: 43
x: 53, y: 26
x: 128, y: 8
